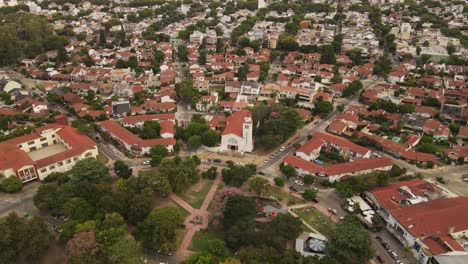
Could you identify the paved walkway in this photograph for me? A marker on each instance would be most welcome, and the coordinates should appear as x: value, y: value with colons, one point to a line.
x: 203, y: 212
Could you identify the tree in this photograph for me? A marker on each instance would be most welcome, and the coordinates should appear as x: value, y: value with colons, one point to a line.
x: 158, y: 150
x: 258, y: 185
x: 309, y: 179
x: 236, y: 175
x: 126, y: 251
x: 210, y: 138
x: 211, y: 173
x: 350, y: 243
x: 180, y: 173
x: 11, y: 184
x: 396, y: 171
x: 286, y: 226
x: 454, y: 128
x: 187, y: 93
x: 78, y: 209
x: 151, y: 129
x: 383, y: 66
x: 156, y: 160
x: 83, y: 248
x: 355, y: 56
x: 309, y: 194
x: 352, y: 88
x: 194, y: 142
x: 418, y: 50
x: 158, y: 231
x: 122, y: 170
x: 450, y: 48
x: 182, y: 53
x: 327, y: 54
x: 156, y: 182
x: 323, y: 107
x: 279, y: 181
x: 288, y: 170
x: 90, y: 169
x: 238, y: 208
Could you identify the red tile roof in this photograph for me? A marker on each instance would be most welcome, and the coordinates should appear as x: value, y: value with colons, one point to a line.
x: 130, y: 139
x: 167, y: 126
x: 434, y: 217
x: 342, y: 168
x: 235, y: 123
x: 311, y: 145
x: 390, y: 197
x: 12, y: 157
x: 342, y: 142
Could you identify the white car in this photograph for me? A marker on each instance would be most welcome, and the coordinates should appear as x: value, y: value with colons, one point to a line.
x: 298, y: 182
x: 333, y: 211
x: 146, y: 162
x: 265, y: 161
x: 282, y: 148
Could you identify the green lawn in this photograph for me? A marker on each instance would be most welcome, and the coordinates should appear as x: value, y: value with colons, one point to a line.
x: 163, y: 202
x: 200, y: 239
x: 283, y: 197
x: 316, y: 219
x: 103, y: 159
x: 196, y: 197
x: 180, y: 234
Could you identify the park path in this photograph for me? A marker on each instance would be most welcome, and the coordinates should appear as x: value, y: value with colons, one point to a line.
x: 203, y: 212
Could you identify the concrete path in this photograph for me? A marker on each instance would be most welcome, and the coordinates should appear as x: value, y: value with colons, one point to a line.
x: 203, y: 212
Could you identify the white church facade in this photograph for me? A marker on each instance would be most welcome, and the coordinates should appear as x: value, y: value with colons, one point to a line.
x: 237, y: 136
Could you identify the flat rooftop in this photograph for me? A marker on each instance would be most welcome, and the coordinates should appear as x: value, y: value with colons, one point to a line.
x: 46, y: 151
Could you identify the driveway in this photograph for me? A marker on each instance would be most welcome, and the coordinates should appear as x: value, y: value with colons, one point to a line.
x: 20, y: 202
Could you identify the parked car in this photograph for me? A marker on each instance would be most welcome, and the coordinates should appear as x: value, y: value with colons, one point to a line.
x: 292, y: 188
x: 393, y: 254
x: 378, y: 238
x: 385, y: 245
x: 146, y: 162
x: 399, y: 262
x: 298, y: 182
x: 380, y: 259
x: 217, y: 160
x: 282, y: 148
x: 333, y: 211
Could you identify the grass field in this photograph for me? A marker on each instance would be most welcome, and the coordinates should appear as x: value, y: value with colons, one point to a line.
x: 163, y: 202
x: 196, y: 194
x: 103, y: 159
x: 283, y: 197
x: 316, y: 219
x: 200, y: 239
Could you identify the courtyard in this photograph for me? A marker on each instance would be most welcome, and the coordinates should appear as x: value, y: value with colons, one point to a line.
x: 46, y: 151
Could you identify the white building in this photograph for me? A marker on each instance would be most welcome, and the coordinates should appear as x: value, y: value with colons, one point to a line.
x: 237, y: 136
x: 51, y: 148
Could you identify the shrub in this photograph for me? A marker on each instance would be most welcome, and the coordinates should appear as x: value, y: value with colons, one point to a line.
x: 11, y: 185
x: 279, y: 181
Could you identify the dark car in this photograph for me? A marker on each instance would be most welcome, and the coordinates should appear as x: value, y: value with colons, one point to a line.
x: 292, y: 188
x: 378, y: 238
x: 385, y: 245
x: 217, y: 160
x: 315, y: 200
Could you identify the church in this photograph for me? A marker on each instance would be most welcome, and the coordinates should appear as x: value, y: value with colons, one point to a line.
x: 237, y: 136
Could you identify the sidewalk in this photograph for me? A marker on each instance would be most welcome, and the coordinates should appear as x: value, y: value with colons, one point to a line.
x: 202, y: 212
